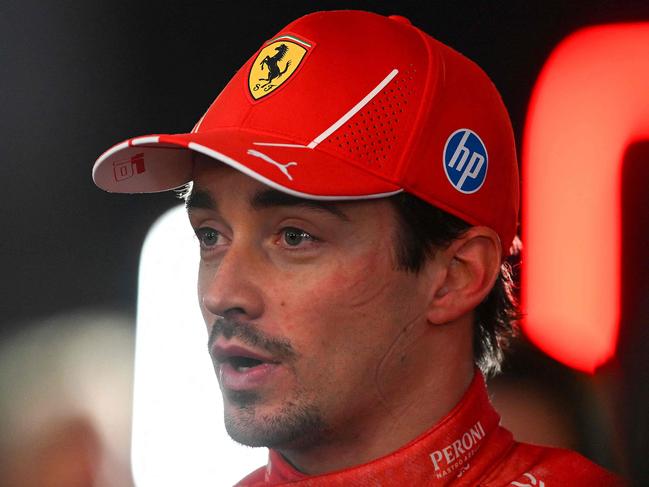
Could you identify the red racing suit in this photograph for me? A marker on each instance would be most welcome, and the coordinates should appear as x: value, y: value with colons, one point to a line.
x: 467, y: 447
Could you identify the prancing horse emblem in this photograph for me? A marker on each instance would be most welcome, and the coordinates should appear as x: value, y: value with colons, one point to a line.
x: 271, y: 63
x: 275, y: 64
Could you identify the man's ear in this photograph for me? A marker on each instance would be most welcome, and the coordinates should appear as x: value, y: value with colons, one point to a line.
x: 470, y: 266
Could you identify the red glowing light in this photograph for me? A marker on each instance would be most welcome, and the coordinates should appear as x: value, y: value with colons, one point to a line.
x: 590, y: 102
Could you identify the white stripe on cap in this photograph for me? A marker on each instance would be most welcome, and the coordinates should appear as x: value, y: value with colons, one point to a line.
x: 150, y: 139
x: 336, y: 125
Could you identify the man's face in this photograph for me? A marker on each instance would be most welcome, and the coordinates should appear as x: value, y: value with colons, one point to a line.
x: 306, y: 310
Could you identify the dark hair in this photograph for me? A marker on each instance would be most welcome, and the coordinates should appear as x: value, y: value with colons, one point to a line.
x: 424, y: 229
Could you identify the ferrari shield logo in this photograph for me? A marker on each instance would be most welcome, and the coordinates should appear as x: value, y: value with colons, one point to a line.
x: 275, y: 64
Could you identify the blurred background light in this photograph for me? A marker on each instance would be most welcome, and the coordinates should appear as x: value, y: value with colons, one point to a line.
x: 591, y: 101
x: 65, y: 402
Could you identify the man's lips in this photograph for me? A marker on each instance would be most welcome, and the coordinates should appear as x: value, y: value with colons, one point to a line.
x: 223, y: 352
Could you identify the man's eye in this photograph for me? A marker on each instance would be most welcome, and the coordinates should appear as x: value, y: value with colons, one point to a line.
x: 294, y: 236
x: 208, y: 237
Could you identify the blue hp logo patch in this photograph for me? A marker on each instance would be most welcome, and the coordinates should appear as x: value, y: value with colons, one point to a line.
x: 465, y: 161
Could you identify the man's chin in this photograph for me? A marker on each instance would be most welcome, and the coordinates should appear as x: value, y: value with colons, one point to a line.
x: 289, y: 425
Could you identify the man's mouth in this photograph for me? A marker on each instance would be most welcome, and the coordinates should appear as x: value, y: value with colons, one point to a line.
x: 241, y: 368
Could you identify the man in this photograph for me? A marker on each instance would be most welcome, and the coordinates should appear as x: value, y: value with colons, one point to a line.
x: 354, y: 193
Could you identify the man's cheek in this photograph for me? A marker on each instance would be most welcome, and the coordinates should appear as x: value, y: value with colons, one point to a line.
x: 362, y: 287
x: 339, y: 304
x: 348, y: 288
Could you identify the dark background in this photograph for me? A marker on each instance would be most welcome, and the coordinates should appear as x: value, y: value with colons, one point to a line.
x: 77, y: 77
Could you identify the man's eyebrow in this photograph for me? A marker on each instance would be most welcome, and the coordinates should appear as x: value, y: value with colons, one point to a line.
x: 200, y: 198
x: 269, y: 198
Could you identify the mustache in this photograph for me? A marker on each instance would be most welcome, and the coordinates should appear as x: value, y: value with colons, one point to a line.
x: 279, y: 348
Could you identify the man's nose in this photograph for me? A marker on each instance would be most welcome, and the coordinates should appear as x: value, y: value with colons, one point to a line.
x: 232, y: 287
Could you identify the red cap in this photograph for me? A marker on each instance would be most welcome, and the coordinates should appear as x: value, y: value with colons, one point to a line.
x: 348, y: 105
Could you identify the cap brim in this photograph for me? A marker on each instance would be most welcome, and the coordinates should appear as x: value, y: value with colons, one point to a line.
x: 156, y: 163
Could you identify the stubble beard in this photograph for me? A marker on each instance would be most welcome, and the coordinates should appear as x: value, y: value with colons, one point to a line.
x: 296, y: 424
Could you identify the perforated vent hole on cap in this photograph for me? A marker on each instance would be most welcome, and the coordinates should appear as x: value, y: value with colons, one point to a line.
x: 374, y: 135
